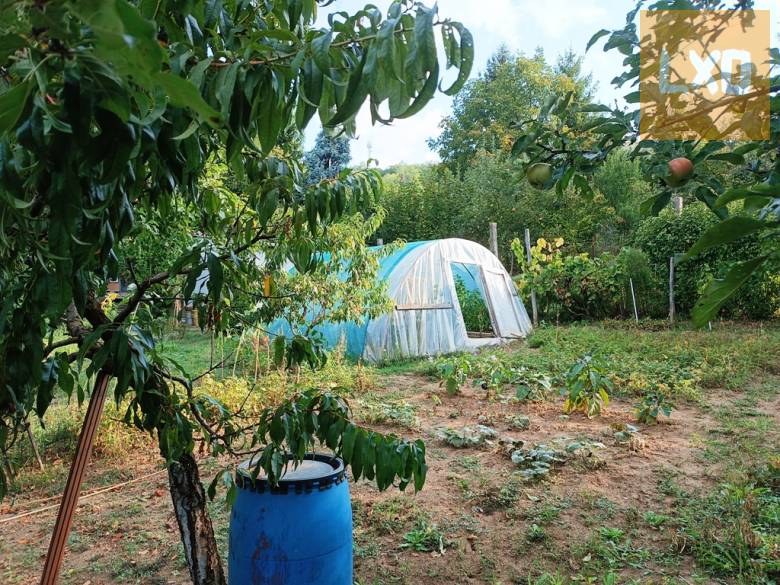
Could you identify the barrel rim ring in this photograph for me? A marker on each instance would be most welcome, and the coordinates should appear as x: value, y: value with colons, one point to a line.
x: 260, y: 484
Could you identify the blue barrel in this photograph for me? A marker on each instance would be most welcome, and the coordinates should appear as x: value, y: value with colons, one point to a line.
x: 298, y: 532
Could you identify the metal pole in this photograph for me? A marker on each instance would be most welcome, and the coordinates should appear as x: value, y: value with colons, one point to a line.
x: 494, y: 238
x: 534, y: 308
x: 671, y: 290
x: 633, y: 299
x: 70, y: 497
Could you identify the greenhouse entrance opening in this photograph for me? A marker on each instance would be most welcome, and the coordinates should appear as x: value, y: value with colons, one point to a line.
x: 474, y: 304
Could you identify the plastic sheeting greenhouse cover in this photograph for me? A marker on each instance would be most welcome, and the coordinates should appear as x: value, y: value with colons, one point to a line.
x: 427, y: 319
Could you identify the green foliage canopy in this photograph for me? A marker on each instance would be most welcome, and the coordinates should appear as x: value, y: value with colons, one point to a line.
x: 110, y: 106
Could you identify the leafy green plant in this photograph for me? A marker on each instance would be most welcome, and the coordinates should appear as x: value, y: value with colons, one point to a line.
x: 655, y: 520
x: 535, y: 533
x: 425, y: 537
x: 587, y: 387
x: 453, y: 373
x: 652, y: 406
x: 611, y: 534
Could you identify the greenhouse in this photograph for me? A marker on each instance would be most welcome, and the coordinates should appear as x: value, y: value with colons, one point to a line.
x: 429, y: 282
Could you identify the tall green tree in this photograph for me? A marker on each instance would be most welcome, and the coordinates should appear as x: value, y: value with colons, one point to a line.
x: 329, y: 156
x: 487, y: 114
x: 110, y: 106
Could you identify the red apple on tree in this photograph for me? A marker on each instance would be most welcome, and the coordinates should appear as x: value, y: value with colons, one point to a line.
x: 680, y: 170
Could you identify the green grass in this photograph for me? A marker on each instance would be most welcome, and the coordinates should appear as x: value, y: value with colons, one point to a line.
x: 733, y: 530
x: 680, y: 362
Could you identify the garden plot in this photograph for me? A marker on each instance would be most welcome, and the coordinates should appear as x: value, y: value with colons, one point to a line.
x: 517, y: 491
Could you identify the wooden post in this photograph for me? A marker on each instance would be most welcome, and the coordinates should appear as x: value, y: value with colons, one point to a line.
x: 534, y: 308
x: 671, y: 290
x: 677, y: 204
x: 34, y: 446
x: 633, y: 299
x: 380, y: 242
x: 70, y: 498
x: 494, y: 238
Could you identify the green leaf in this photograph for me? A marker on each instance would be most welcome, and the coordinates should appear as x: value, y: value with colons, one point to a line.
x: 737, y: 193
x: 278, y: 346
x: 225, y: 85
x: 726, y: 231
x: 320, y: 48
x: 46, y: 389
x: 123, y: 36
x: 595, y: 38
x: 720, y: 290
x: 466, y: 59
x: 184, y: 94
x: 12, y: 105
x: 9, y: 44
x: 216, y: 277
x: 425, y: 95
x: 731, y: 157
x: 592, y: 108
x: 653, y: 205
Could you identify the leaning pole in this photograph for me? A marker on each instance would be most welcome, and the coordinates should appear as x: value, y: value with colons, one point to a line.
x: 70, y: 497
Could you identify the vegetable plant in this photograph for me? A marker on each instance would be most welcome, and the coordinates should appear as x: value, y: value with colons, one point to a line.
x: 652, y: 406
x: 453, y: 373
x: 587, y: 387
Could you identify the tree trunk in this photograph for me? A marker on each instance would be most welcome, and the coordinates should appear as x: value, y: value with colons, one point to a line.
x: 197, y: 533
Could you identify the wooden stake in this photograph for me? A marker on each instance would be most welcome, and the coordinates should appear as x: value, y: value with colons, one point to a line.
x: 70, y: 497
x: 534, y: 308
x: 633, y: 298
x: 34, y: 446
x: 677, y: 203
x: 380, y: 242
x: 494, y: 238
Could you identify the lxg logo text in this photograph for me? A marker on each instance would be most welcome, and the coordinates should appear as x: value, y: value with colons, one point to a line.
x: 704, y: 74
x: 715, y: 71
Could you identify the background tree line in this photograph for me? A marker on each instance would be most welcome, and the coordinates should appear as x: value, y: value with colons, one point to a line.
x: 480, y: 180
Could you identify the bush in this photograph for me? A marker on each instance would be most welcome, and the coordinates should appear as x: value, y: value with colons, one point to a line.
x: 667, y: 234
x: 570, y: 288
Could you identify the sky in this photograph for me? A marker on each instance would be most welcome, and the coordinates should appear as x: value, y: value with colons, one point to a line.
x: 523, y: 25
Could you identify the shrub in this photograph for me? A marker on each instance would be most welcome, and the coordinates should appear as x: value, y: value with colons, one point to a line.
x: 652, y: 406
x: 667, y: 234
x: 578, y: 286
x: 453, y: 373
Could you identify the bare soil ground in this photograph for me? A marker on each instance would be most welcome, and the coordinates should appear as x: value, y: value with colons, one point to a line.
x: 592, y: 515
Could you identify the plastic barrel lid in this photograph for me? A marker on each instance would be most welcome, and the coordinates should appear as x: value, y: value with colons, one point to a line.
x: 314, y: 467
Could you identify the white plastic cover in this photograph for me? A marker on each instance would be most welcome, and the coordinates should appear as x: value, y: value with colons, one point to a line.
x: 427, y: 319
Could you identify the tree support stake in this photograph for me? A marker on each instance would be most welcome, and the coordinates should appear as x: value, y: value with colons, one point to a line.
x: 70, y: 497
